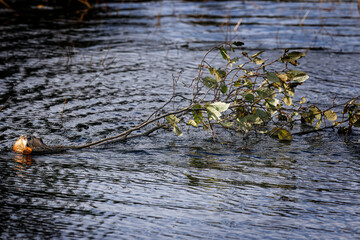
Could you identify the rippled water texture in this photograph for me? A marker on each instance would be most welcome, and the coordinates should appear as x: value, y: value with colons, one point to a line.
x: 113, y: 66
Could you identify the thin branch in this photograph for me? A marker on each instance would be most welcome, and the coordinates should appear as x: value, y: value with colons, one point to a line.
x: 63, y: 110
x: 5, y: 103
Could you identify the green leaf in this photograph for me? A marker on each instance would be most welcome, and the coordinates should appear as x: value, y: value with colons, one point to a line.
x: 237, y: 83
x: 357, y: 123
x: 296, y: 55
x: 234, y: 60
x: 249, y: 97
x: 224, y: 53
x: 297, y: 76
x: 197, y: 113
x: 212, y: 70
x: 330, y: 115
x: 244, y: 124
x: 224, y: 89
x: 290, y: 60
x: 265, y: 92
x: 284, y: 135
x: 271, y: 105
x: 210, y: 82
x: 238, y: 44
x: 263, y: 115
x: 272, y: 77
x: 307, y: 117
x: 219, y: 75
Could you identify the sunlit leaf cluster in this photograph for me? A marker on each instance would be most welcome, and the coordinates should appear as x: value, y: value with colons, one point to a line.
x: 249, y: 92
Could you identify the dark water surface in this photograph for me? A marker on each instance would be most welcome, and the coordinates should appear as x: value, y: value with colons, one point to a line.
x: 114, y: 67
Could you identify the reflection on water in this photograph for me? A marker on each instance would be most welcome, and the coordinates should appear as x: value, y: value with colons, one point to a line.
x: 113, y: 68
x: 24, y: 162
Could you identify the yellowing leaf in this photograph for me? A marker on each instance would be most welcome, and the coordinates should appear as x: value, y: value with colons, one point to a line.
x: 177, y: 130
x: 287, y: 100
x: 191, y: 122
x: 284, y: 135
x: 220, y: 106
x: 316, y: 112
x: 303, y: 100
x: 172, y: 119
x: 282, y: 76
x: 330, y: 115
x: 318, y: 124
x: 258, y: 61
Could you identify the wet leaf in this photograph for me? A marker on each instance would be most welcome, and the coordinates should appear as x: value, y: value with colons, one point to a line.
x: 212, y: 70
x: 265, y: 92
x: 219, y: 75
x: 284, y: 135
x: 224, y: 53
x: 238, y: 44
x: 192, y: 122
x: 249, y: 97
x: 197, y: 113
x: 297, y: 76
x: 258, y: 61
x: 282, y: 76
x: 172, y: 119
x: 318, y: 124
x: 287, y: 100
x: 227, y: 124
x: 357, y: 123
x: 296, y: 55
x: 177, y: 130
x: 303, y: 100
x: 263, y: 115
x: 213, y: 113
x: 237, y: 83
x: 290, y: 60
x: 330, y: 115
x: 233, y: 60
x: 272, y: 77
x: 210, y: 82
x: 316, y: 112
x: 220, y: 106
x: 224, y: 88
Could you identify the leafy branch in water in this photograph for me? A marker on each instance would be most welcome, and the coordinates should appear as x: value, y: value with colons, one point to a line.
x: 244, y: 95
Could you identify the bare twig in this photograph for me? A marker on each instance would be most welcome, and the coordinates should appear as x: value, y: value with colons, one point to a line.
x: 4, y: 104
x: 63, y: 110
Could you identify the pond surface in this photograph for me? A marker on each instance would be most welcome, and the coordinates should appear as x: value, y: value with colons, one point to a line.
x: 114, y: 65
